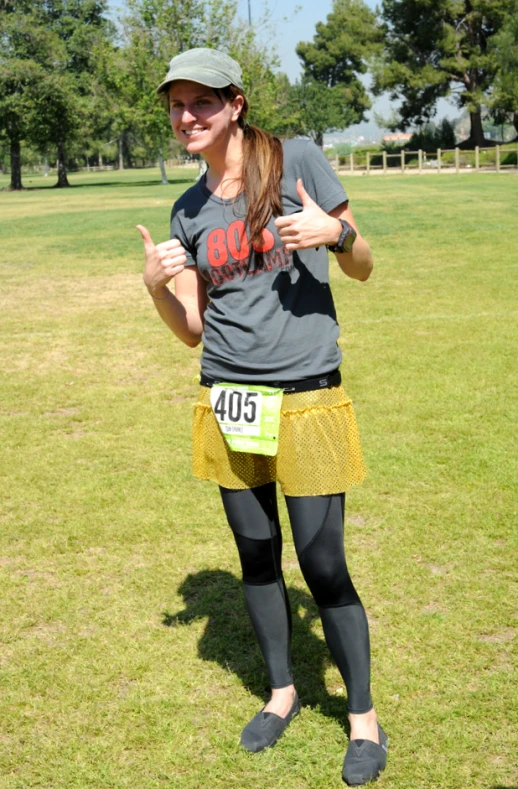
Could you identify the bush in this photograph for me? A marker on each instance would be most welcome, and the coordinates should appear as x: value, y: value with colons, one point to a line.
x: 510, y: 158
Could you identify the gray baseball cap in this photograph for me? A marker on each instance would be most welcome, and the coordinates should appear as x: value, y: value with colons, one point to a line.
x: 207, y: 66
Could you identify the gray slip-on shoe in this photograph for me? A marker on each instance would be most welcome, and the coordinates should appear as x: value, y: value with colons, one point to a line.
x: 365, y: 760
x: 265, y: 728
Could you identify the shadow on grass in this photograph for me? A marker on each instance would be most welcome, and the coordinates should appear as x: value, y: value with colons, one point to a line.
x: 125, y: 184
x: 114, y: 184
x: 229, y: 639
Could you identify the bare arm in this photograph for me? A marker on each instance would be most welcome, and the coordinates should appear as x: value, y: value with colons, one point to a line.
x: 183, y: 310
x: 312, y: 227
x: 357, y: 263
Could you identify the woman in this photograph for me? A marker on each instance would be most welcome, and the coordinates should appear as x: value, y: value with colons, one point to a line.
x: 250, y: 266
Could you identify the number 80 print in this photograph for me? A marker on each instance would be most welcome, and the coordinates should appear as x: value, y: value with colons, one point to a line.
x: 234, y: 241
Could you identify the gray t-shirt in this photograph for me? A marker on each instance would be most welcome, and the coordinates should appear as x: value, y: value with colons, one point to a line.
x: 271, y: 315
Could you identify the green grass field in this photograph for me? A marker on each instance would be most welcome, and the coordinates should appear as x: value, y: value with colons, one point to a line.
x: 126, y: 658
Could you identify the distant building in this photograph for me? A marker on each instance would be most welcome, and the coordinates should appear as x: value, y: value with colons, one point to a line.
x: 397, y: 137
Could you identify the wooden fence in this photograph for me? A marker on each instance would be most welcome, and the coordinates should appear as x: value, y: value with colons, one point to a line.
x: 495, y: 159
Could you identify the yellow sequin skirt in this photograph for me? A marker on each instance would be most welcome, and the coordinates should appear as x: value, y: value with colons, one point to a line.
x: 319, y: 447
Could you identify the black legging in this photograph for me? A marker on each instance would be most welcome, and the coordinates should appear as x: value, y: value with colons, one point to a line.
x: 318, y: 533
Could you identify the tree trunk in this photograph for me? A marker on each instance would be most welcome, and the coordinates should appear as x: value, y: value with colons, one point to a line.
x: 100, y: 160
x: 46, y: 166
x: 477, y: 132
x: 121, y: 157
x: 16, y: 166
x: 62, y: 166
x: 161, y: 164
x: 515, y: 121
x: 476, y: 135
x: 126, y: 152
x: 319, y: 139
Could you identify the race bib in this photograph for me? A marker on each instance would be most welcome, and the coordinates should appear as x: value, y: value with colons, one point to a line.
x: 248, y: 416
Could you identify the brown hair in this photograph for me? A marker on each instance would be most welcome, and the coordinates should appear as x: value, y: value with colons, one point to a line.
x: 262, y: 170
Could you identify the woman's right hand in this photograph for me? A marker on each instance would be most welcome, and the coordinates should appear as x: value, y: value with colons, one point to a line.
x: 163, y: 262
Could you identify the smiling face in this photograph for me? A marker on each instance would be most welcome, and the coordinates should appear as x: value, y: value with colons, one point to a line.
x: 200, y: 119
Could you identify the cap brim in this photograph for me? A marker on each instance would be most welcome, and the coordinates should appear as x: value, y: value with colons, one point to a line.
x: 202, y: 77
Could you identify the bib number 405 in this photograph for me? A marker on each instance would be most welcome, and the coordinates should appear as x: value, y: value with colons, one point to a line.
x: 235, y: 406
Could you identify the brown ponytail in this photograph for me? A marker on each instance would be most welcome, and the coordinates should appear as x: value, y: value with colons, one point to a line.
x: 262, y: 171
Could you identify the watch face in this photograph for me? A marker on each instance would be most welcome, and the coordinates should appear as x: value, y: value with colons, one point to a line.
x: 346, y: 229
x: 347, y: 238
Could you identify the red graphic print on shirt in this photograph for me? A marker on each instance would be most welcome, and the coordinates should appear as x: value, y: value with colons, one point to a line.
x: 228, y: 250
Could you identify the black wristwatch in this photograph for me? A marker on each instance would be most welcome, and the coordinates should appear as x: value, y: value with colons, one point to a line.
x: 346, y: 239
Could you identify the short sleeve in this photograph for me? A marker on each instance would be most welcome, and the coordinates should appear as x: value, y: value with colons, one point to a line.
x: 178, y: 231
x: 320, y: 180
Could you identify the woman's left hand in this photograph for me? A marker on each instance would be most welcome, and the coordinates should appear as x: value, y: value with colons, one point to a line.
x: 308, y: 228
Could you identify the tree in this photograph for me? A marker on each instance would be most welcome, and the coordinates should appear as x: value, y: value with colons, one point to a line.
x: 59, y: 116
x: 322, y: 109
x: 273, y: 104
x: 504, y: 96
x: 332, y: 63
x: 153, y: 32
x: 269, y: 92
x: 128, y: 77
x: 433, y: 50
x: 430, y: 137
x: 26, y: 53
x: 67, y: 92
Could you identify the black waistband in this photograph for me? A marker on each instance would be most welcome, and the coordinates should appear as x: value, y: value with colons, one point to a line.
x: 304, y: 385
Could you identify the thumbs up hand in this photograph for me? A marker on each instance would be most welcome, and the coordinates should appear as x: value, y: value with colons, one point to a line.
x: 311, y: 227
x: 163, y: 262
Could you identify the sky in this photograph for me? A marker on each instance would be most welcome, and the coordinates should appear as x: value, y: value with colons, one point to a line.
x: 292, y: 21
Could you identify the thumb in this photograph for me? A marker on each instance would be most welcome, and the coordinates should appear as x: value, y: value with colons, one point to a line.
x: 146, y: 237
x: 306, y: 199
